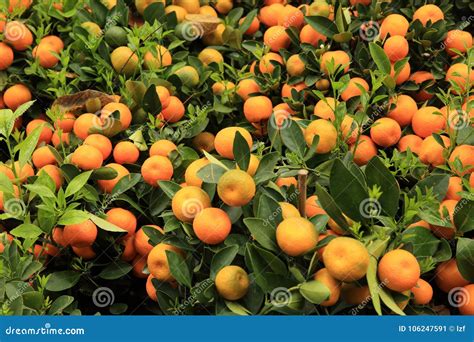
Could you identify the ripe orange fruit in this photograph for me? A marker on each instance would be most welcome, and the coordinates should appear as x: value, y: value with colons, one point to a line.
x: 286, y: 181
x: 296, y: 236
x: 84, y: 123
x: 396, y: 48
x: 162, y: 148
x: 43, y: 156
x: 331, y: 283
x: 346, y: 259
x: 212, y: 225
x: 310, y: 36
x: 399, y: 270
x: 403, y: 109
x: 427, y: 120
x: 457, y: 40
x: 128, y: 253
x: 431, y: 152
x: 431, y: 13
x: 204, y: 141
x: 454, y: 187
x: 108, y: 185
x: 65, y: 122
x: 422, y: 292
x: 291, y: 16
x: 325, y: 108
x: 465, y: 154
x: 81, y: 234
x: 86, y: 253
x: 327, y: 135
x: 220, y: 88
x: 353, y: 88
x: 224, y: 141
x: 7, y: 56
x: 447, y: 209
x: 385, y: 132
x: 340, y: 60
x: 139, y: 264
x: 395, y: 25
x: 410, y: 141
x: 18, y: 35
x: 467, y: 306
x: 276, y: 38
x: 232, y: 282
x: 142, y: 246
x: 150, y: 289
x: 312, y: 207
x: 266, y: 64
x: 349, y: 129
x: 288, y: 210
x: 46, y: 132
x: 447, y: 276
x: 268, y: 15
x: 188, y: 202
x: 87, y: 157
x: 45, y: 52
x: 190, y: 174
x: 16, y: 95
x: 188, y: 75
x: 420, y: 77
x: 286, y: 90
x: 246, y: 87
x: 420, y: 223
x: 258, y: 108
x: 122, y: 218
x: 354, y: 294
x: 295, y: 66
x: 210, y: 55
x: 363, y: 150
x: 236, y: 188
x: 174, y: 111
x: 125, y: 116
x: 157, y: 261
x: 23, y: 173
x: 156, y: 168
x: 403, y: 74
x: 164, y: 95
x: 100, y: 142
x: 460, y: 75
x: 125, y: 152
x: 124, y: 60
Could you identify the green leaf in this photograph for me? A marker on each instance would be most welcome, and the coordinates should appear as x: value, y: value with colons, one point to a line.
x: 169, y: 188
x: 63, y: 280
x: 73, y: 216
x: 263, y: 232
x: 377, y: 174
x: 77, y: 183
x: 269, y: 210
x: 241, y: 151
x: 314, y: 291
x: 59, y: 304
x: 465, y: 258
x: 115, y: 270
x: 151, y: 101
x: 223, y: 258
x: 292, y: 137
x: 380, y: 58
x: 237, y: 308
x: 464, y: 216
x: 106, y: 225
x: 439, y: 184
x: 265, y: 170
x: 270, y: 260
x: 211, y: 173
x: 323, y: 25
x: 28, y: 145
x: 347, y: 190
x: 374, y: 286
x: 248, y: 20
x: 179, y: 268
x: 387, y: 299
x: 330, y: 206
x: 104, y: 173
x: 126, y: 183
x: 27, y: 231
x: 422, y: 241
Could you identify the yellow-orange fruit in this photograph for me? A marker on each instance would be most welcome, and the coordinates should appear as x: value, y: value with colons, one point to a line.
x: 399, y: 270
x: 296, y: 236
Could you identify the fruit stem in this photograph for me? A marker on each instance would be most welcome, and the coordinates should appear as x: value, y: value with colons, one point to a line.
x: 302, y: 178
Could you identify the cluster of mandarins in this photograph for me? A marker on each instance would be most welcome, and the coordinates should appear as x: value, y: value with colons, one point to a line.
x: 408, y: 124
